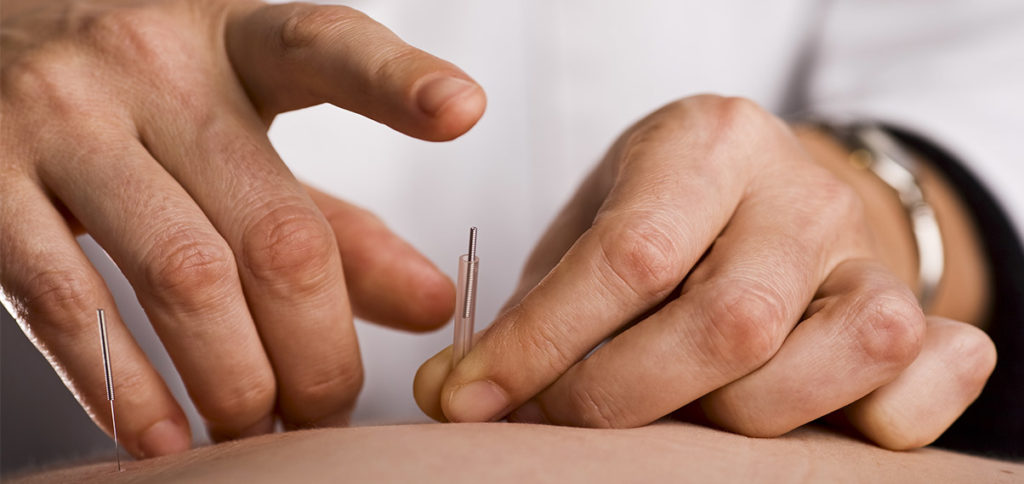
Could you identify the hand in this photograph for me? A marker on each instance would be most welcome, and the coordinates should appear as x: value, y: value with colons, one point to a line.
x: 718, y: 263
x: 144, y: 124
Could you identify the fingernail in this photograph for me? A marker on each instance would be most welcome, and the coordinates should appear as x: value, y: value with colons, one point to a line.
x: 530, y: 413
x: 163, y: 438
x: 436, y: 93
x: 479, y: 401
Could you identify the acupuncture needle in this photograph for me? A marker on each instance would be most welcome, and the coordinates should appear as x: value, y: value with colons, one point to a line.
x: 465, y: 301
x: 109, y: 379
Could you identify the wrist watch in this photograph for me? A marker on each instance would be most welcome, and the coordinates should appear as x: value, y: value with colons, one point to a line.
x: 873, y: 148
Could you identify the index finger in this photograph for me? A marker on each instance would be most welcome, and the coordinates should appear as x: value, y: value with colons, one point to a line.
x: 296, y: 55
x: 674, y: 192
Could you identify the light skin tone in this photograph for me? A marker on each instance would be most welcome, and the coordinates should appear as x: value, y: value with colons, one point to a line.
x: 514, y: 453
x: 144, y: 123
x: 800, y: 236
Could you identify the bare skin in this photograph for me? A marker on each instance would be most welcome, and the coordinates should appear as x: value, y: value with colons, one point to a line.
x: 664, y: 452
x: 143, y: 123
x: 735, y: 263
x: 741, y: 268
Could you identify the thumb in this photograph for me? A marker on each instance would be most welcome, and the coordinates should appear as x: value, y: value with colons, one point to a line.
x: 295, y: 55
x: 430, y: 378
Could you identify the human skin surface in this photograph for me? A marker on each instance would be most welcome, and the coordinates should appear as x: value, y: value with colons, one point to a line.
x: 143, y: 123
x: 504, y: 452
x: 112, y: 83
x: 608, y: 270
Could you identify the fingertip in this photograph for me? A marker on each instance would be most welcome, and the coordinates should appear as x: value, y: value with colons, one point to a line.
x: 390, y: 282
x: 429, y: 380
x: 972, y: 358
x: 432, y: 303
x: 531, y: 412
x: 168, y: 436
x: 915, y: 409
x: 452, y: 105
x: 436, y: 92
x: 405, y: 291
x: 476, y: 401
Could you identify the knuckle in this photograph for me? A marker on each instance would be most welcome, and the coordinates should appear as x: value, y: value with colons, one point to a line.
x: 744, y: 323
x: 52, y: 295
x: 688, y: 105
x: 739, y: 111
x: 890, y: 327
x: 43, y: 77
x: 735, y: 120
x: 150, y: 45
x: 648, y: 139
x: 237, y: 403
x: 306, y: 25
x: 642, y: 256
x: 183, y: 266
x: 712, y: 124
x: 595, y: 408
x: 289, y: 243
x: 131, y: 31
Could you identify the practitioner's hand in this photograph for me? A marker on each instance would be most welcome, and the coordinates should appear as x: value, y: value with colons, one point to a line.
x: 144, y: 124
x: 723, y: 264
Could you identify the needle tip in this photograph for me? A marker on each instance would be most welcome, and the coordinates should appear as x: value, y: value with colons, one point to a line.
x: 472, y: 243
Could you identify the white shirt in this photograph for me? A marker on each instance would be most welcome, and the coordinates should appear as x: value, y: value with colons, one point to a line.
x: 565, y: 77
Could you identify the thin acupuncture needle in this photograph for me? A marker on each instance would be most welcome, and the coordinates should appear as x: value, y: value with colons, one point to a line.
x: 465, y: 301
x: 101, y: 317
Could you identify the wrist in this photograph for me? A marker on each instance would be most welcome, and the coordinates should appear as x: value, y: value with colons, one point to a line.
x: 887, y: 221
x: 962, y: 292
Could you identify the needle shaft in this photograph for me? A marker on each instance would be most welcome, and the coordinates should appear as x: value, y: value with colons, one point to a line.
x: 467, y: 300
x: 108, y: 377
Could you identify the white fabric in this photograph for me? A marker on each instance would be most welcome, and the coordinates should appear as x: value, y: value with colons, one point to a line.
x: 564, y: 77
